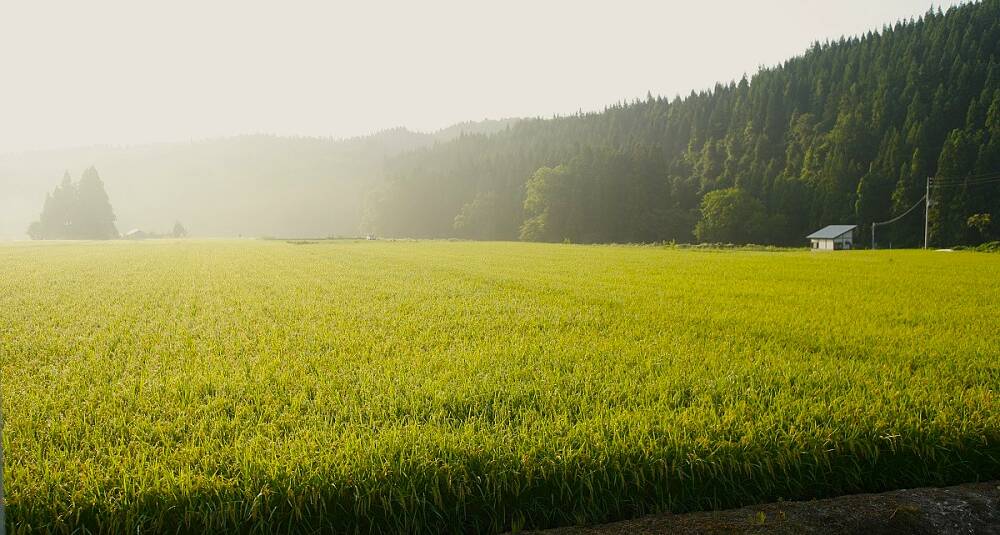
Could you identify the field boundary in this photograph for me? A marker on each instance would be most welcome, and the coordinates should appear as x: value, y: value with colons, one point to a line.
x: 968, y: 508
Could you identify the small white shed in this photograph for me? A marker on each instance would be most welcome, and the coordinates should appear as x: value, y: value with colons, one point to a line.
x: 833, y: 238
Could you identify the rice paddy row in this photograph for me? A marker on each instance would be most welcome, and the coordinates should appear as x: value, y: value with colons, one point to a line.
x: 262, y: 386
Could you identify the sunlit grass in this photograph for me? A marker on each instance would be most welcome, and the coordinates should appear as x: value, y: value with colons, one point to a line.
x: 429, y: 386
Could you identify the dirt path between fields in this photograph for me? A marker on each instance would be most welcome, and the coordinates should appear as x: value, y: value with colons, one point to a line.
x: 966, y: 509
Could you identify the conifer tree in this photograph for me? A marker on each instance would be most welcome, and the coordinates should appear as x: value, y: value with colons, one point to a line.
x: 79, y: 211
x: 94, y: 218
x: 179, y: 231
x: 56, y: 220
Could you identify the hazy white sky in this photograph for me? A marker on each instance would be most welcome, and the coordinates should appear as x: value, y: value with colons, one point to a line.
x: 134, y: 71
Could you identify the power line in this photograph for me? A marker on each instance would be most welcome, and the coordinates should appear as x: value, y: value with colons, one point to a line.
x: 900, y: 216
x: 897, y: 218
x: 979, y: 175
x: 980, y: 182
x: 965, y: 179
x: 983, y: 179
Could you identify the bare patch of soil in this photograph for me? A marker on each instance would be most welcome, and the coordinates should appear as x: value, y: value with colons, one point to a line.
x: 967, y: 509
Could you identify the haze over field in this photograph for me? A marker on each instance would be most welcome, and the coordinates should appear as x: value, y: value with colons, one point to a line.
x: 119, y: 74
x: 248, y: 185
x: 508, y: 267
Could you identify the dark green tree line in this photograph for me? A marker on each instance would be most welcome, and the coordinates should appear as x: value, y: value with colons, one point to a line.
x: 848, y: 132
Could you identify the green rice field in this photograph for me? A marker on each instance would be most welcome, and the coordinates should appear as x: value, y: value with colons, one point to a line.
x: 355, y: 386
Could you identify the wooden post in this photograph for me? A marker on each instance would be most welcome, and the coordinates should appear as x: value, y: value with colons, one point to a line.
x: 927, y: 211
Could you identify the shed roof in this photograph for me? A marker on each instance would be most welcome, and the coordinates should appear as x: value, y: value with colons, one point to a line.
x: 830, y: 232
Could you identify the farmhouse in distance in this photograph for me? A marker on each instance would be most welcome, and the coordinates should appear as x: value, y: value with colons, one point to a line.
x: 833, y: 238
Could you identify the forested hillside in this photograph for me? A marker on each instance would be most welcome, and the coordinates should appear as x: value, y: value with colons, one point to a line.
x: 246, y: 185
x: 846, y: 133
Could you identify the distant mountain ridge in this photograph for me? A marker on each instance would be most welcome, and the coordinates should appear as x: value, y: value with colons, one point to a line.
x: 249, y: 185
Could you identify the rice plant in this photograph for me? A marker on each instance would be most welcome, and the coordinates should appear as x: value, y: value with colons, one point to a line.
x: 478, y: 387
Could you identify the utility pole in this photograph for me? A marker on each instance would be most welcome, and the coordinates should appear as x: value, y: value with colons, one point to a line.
x: 873, y: 235
x: 927, y: 211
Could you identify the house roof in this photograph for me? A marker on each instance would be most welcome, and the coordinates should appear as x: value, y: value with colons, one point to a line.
x: 830, y: 232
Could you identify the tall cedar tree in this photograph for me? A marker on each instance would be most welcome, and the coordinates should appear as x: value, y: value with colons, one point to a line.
x: 76, y: 211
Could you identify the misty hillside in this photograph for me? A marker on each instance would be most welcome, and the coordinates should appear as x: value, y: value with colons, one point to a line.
x: 845, y: 133
x: 247, y: 185
x: 848, y: 132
